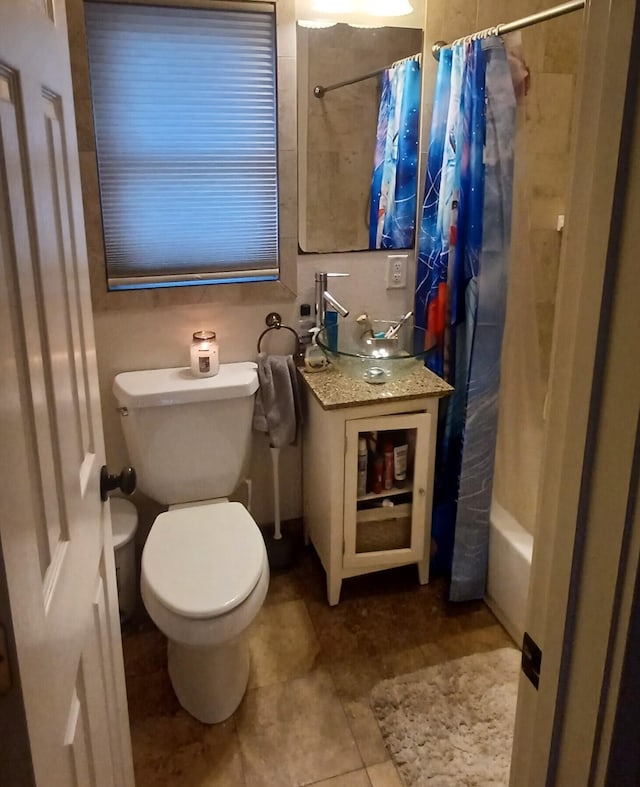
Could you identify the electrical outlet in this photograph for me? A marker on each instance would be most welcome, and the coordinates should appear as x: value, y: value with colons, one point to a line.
x: 396, y: 271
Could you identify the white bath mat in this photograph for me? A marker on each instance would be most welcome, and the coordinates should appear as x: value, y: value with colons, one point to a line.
x: 452, y: 724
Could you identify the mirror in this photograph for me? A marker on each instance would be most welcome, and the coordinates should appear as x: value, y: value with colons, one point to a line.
x: 337, y: 138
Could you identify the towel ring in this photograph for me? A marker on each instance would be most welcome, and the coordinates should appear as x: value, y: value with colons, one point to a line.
x: 273, y: 322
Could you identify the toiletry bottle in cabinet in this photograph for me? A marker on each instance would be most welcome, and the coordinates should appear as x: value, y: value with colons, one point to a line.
x: 378, y: 474
x: 372, y: 450
x: 388, y: 463
x: 400, y: 457
x: 362, y: 466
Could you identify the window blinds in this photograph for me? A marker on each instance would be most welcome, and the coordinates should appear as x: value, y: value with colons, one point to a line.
x: 184, y: 104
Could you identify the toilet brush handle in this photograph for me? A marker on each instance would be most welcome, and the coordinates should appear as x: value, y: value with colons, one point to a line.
x: 275, y: 461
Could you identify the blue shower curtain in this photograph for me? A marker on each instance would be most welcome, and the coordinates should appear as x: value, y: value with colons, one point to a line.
x: 394, y: 183
x: 461, y: 293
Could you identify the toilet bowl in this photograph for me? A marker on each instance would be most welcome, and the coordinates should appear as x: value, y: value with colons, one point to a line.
x: 204, y: 572
x: 204, y: 578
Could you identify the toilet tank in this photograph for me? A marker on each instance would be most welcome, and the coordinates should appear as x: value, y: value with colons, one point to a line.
x: 188, y: 438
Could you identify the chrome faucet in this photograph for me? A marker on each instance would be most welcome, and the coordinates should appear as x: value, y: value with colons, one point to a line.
x: 323, y: 296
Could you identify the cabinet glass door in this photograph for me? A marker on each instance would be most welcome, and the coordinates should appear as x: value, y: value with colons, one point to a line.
x: 386, y: 482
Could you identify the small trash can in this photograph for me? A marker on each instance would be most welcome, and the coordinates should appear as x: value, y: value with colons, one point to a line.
x: 124, y: 521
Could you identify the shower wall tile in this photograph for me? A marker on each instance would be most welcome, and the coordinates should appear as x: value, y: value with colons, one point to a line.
x: 563, y: 44
x: 490, y: 13
x: 495, y: 12
x: 549, y: 108
x: 548, y: 175
x: 545, y: 253
x: 533, y: 44
x: 545, y: 250
x: 459, y: 19
x: 544, y: 212
x: 548, y: 182
x: 545, y: 312
x: 516, y: 9
x: 434, y: 22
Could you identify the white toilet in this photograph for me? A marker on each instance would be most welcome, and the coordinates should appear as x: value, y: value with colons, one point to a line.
x: 204, y: 570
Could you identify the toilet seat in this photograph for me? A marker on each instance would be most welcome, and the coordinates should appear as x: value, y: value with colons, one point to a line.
x: 203, y: 561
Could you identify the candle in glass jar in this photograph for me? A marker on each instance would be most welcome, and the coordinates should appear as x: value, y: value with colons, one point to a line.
x: 204, y: 354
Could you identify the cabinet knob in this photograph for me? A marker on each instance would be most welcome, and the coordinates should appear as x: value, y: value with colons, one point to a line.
x: 422, y: 492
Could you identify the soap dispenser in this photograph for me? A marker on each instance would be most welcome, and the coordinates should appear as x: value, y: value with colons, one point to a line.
x: 314, y: 359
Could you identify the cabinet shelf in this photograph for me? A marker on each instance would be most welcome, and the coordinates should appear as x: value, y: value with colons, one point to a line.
x: 393, y: 492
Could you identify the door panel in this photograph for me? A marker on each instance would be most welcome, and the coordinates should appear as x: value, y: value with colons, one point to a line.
x: 79, y: 758
x: 28, y: 322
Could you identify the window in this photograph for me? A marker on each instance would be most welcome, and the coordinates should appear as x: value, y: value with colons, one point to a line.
x: 184, y: 106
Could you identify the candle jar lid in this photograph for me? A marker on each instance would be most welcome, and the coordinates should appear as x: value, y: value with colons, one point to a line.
x: 204, y: 336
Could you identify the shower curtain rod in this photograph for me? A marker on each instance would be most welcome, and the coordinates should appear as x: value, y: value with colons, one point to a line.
x: 320, y: 90
x: 518, y: 24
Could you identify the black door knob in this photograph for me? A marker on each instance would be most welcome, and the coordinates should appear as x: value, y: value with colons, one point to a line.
x: 125, y: 482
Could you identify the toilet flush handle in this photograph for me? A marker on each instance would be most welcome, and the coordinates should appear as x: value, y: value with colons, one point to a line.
x: 125, y: 482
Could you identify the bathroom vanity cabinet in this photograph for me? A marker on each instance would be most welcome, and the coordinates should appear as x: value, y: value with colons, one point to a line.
x: 358, y: 530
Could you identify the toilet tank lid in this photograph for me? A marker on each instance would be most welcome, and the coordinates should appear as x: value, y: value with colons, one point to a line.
x: 156, y: 387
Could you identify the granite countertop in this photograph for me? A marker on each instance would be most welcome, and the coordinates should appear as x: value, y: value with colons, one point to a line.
x: 334, y: 389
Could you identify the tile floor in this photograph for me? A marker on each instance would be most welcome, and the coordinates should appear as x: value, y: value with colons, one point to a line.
x: 305, y: 719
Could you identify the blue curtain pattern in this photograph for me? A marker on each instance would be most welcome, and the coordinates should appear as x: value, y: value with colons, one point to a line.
x: 432, y: 262
x: 470, y: 554
x: 394, y: 182
x: 461, y: 293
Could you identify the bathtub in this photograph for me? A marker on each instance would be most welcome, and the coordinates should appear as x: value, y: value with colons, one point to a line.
x: 510, y: 549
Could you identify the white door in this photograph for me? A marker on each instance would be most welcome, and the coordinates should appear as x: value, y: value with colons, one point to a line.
x: 56, y: 533
x: 582, y: 537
